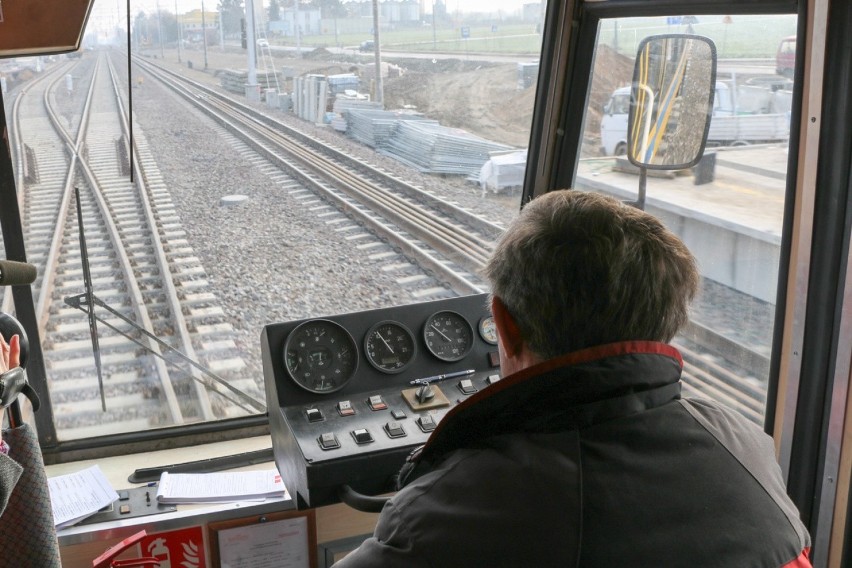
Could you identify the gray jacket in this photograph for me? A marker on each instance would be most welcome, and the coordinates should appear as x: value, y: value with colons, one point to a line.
x: 590, y: 460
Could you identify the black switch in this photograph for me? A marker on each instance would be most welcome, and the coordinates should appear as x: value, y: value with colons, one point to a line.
x: 426, y: 423
x: 466, y: 386
x: 394, y: 429
x: 398, y: 414
x: 362, y: 436
x: 328, y: 441
x: 494, y: 358
x: 314, y: 415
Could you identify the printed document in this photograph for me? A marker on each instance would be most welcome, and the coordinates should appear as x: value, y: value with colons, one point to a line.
x: 76, y: 496
x: 220, y: 487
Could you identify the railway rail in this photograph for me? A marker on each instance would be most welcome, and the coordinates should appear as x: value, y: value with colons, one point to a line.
x: 136, y: 264
x: 714, y: 366
x: 162, y: 285
x: 451, y: 242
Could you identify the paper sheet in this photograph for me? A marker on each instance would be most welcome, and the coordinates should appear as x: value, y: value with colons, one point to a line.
x: 276, y: 544
x: 220, y: 487
x: 76, y: 496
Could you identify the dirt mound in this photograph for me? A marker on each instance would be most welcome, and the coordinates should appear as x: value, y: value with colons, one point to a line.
x: 442, y: 65
x: 485, y: 99
x: 483, y: 102
x: 319, y: 54
x: 612, y: 70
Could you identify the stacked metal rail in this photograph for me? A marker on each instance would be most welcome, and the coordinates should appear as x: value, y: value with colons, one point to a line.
x: 375, y: 127
x: 436, y: 149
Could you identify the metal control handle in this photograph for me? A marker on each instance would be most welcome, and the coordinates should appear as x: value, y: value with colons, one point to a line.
x: 361, y: 502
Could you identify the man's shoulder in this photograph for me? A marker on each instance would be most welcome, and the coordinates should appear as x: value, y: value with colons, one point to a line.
x: 722, y: 420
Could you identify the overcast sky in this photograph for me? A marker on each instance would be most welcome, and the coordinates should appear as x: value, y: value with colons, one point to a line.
x: 109, y: 8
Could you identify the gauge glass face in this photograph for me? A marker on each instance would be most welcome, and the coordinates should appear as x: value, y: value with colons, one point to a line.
x: 320, y: 356
x: 487, y: 330
x: 448, y: 336
x: 390, y: 347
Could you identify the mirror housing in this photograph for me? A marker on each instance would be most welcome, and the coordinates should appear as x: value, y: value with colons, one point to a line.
x: 671, y: 101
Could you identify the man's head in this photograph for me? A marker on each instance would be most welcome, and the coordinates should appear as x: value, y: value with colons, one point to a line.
x: 579, y: 269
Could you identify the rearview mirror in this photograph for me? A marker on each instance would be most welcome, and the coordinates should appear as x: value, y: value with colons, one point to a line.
x: 671, y: 101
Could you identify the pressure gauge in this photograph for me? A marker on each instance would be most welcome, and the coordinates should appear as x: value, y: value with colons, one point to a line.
x: 389, y: 347
x: 320, y: 356
x: 448, y: 336
x: 487, y: 330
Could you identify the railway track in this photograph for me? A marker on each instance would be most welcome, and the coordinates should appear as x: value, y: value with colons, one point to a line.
x: 446, y: 240
x: 145, y: 292
x: 141, y: 240
x: 714, y: 367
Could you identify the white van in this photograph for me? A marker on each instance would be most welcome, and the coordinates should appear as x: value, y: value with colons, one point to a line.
x: 762, y: 115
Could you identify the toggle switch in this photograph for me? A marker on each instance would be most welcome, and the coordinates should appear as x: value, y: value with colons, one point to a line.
x: 394, y: 429
x: 362, y: 436
x: 328, y: 441
x: 427, y: 423
x: 344, y: 408
x: 314, y: 415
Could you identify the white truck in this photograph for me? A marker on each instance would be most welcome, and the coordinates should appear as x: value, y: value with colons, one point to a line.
x: 749, y: 114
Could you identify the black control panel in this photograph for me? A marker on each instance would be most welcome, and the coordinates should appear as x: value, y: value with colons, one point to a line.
x: 351, y: 395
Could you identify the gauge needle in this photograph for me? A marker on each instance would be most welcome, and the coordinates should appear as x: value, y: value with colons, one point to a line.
x: 440, y: 332
x: 385, y: 342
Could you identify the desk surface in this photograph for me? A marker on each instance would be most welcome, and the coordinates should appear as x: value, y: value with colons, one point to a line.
x: 118, y: 468
x: 83, y: 542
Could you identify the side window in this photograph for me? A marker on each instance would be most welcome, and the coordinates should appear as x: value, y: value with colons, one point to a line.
x: 621, y: 104
x: 728, y: 209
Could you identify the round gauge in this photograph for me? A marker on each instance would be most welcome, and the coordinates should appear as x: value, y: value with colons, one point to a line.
x: 390, y: 347
x: 320, y: 356
x: 487, y: 330
x: 448, y: 336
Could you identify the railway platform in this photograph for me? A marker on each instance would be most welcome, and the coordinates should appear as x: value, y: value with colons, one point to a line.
x: 732, y: 224
x: 747, y: 189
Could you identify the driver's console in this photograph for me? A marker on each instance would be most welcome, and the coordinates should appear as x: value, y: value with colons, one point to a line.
x: 351, y: 395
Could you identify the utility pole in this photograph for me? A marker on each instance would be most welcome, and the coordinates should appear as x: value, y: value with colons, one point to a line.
x: 221, y: 30
x: 298, y: 28
x: 204, y: 33
x: 434, y: 34
x: 160, y: 31
x: 180, y: 35
x: 252, y: 90
x: 379, y: 86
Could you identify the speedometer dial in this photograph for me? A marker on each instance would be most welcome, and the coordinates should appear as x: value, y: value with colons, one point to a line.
x: 448, y: 336
x: 389, y: 347
x: 320, y: 356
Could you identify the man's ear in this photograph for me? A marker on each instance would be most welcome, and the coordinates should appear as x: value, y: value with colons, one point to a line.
x: 507, y: 329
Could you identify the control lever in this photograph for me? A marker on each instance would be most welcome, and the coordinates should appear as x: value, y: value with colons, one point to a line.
x: 424, y: 393
x: 361, y: 502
